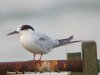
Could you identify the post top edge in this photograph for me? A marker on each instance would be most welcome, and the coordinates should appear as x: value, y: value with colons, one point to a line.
x: 85, y: 41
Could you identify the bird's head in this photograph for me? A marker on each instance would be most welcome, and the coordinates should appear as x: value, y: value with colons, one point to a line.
x: 22, y: 29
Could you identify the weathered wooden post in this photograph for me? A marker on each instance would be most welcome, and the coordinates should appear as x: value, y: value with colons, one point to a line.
x: 99, y: 65
x: 74, y: 56
x: 89, y: 53
x: 89, y: 57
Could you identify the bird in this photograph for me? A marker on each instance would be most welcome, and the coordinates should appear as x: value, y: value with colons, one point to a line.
x: 39, y: 43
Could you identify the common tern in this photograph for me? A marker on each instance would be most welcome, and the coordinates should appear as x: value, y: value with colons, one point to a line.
x: 39, y: 43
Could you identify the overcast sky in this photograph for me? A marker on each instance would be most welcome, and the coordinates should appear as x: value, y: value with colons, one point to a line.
x: 56, y: 18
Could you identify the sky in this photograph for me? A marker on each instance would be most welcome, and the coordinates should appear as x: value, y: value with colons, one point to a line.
x: 57, y: 18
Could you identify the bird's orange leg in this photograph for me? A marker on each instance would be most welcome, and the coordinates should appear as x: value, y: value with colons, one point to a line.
x: 40, y: 57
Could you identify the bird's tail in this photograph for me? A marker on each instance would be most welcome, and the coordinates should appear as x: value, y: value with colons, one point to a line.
x: 66, y: 41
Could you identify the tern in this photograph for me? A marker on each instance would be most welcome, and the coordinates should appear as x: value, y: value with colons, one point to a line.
x: 39, y: 43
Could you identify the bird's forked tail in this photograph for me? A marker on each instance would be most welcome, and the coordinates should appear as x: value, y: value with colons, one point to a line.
x: 66, y: 41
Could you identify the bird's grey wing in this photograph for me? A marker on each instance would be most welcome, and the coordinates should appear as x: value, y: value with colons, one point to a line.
x: 45, y: 42
x: 62, y: 42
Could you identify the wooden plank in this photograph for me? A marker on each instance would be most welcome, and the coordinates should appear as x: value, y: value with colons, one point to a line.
x: 90, y: 58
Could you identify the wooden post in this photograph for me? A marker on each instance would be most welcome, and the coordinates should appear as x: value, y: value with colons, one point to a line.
x: 90, y: 58
x: 74, y: 56
x: 99, y: 65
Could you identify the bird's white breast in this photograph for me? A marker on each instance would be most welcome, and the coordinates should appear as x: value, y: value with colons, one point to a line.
x: 29, y: 42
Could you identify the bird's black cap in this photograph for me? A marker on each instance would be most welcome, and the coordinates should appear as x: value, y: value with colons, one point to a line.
x: 26, y: 27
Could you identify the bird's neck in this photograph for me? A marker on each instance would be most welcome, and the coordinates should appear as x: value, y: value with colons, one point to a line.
x: 26, y: 33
